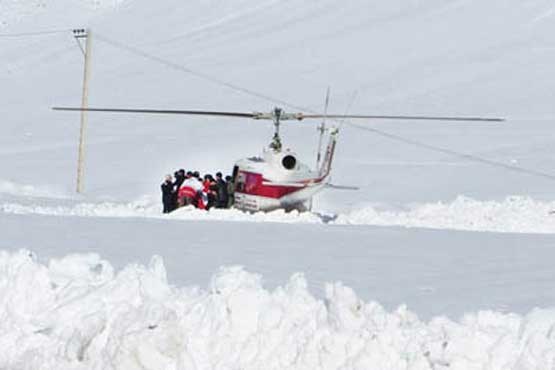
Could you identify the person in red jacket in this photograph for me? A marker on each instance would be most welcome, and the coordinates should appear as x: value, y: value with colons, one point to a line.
x: 187, y: 196
x: 189, y: 191
x: 209, y: 185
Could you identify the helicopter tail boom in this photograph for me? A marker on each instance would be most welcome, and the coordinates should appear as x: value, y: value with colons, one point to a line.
x: 325, y: 167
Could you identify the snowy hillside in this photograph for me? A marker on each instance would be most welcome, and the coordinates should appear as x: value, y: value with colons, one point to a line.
x: 436, y: 57
x: 455, y: 221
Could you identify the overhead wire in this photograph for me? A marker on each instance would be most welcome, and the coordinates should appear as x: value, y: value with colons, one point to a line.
x: 382, y: 133
x: 469, y: 157
x: 32, y: 34
x: 39, y: 58
x: 351, y: 102
x: 182, y: 68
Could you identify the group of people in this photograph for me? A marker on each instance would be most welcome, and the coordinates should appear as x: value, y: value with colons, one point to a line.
x: 188, y: 188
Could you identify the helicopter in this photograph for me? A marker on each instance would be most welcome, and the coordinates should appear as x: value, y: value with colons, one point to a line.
x: 277, y: 179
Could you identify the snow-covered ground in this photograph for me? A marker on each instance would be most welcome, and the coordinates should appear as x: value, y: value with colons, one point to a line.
x: 78, y: 313
x: 512, y: 215
x: 467, y: 246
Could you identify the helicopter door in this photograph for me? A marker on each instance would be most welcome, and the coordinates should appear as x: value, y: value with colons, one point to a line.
x: 234, y: 173
x: 240, y: 179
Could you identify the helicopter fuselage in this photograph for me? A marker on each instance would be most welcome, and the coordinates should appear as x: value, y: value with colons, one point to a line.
x: 275, y: 180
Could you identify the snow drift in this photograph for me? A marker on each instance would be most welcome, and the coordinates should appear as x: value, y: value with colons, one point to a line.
x: 515, y: 214
x: 14, y: 189
x: 78, y: 313
x: 512, y: 215
x: 147, y: 208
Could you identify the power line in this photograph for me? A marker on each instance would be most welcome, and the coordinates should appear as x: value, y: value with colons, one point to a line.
x: 190, y: 71
x: 470, y: 157
x: 32, y: 34
x: 385, y: 134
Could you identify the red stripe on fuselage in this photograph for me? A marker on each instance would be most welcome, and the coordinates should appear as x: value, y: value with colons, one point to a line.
x: 254, y: 184
x: 275, y: 191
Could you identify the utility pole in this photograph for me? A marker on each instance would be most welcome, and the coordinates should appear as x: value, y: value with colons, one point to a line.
x: 79, y: 35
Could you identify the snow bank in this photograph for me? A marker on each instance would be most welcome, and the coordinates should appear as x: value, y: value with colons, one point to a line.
x: 77, y: 313
x: 11, y: 188
x: 512, y: 215
x: 148, y: 208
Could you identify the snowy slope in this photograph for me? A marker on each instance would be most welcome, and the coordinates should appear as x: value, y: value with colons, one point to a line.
x: 393, y: 241
x: 465, y: 58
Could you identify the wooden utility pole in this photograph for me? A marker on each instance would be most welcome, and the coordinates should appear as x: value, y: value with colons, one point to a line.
x: 83, y: 34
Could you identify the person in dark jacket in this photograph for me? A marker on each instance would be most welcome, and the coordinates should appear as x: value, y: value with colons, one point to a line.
x: 230, y: 191
x: 223, y: 196
x: 179, y: 178
x: 168, y: 197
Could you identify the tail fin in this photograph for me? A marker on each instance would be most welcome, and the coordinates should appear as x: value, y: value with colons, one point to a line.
x: 325, y: 168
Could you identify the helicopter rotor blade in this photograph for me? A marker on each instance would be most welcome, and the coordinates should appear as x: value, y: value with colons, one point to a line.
x: 418, y: 118
x: 160, y: 111
x: 283, y: 117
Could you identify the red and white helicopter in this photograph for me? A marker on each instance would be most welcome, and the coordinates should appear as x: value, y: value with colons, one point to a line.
x: 277, y: 179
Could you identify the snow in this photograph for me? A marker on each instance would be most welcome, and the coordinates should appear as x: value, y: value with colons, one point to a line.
x: 513, y: 215
x: 14, y: 189
x: 81, y: 314
x: 13, y: 12
x: 147, y: 208
x: 437, y: 262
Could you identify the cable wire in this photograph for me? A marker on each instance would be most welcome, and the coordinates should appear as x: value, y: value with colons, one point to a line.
x: 385, y: 134
x: 469, y: 157
x: 190, y: 71
x: 32, y: 34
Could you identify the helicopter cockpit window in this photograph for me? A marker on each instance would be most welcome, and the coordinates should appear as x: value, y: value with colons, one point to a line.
x: 289, y: 162
x: 251, y: 182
